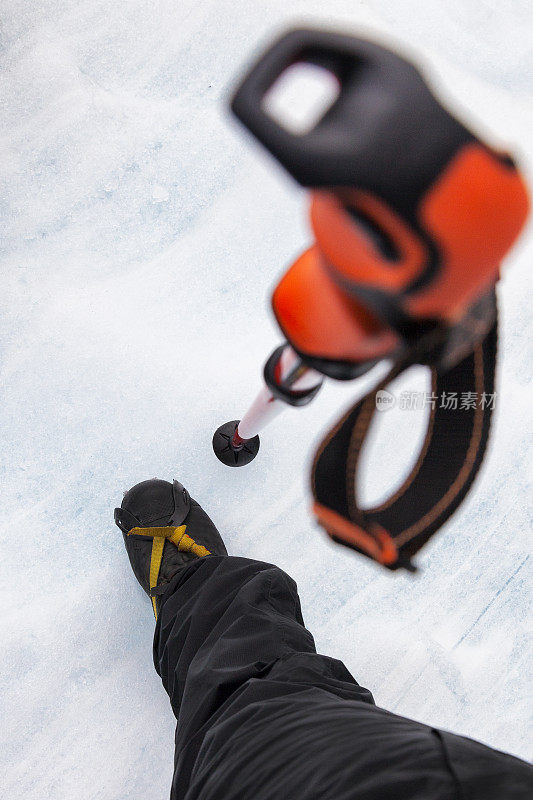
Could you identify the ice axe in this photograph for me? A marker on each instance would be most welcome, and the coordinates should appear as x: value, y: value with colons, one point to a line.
x: 412, y: 215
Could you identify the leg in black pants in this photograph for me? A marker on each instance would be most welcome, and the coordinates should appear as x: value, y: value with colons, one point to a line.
x: 261, y: 716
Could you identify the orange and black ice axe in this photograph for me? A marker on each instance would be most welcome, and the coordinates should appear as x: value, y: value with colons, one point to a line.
x: 412, y: 216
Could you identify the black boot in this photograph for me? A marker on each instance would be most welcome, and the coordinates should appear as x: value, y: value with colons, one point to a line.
x: 164, y: 529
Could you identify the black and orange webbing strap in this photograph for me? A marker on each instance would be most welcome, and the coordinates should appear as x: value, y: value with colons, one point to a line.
x: 391, y: 533
x: 177, y: 536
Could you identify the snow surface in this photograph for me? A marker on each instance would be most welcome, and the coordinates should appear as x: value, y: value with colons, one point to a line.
x: 142, y: 232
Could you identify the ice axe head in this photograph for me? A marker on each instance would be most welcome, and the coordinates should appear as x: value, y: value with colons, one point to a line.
x: 412, y: 213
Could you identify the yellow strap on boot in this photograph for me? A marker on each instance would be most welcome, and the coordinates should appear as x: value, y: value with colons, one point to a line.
x: 178, y: 537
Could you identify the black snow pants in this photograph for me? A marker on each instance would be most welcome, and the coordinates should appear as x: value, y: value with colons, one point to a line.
x: 262, y: 716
